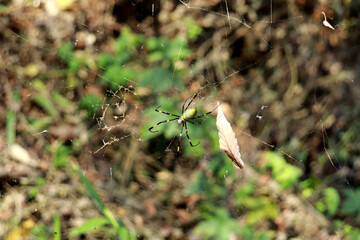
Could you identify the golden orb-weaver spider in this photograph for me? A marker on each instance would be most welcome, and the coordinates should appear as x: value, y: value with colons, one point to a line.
x: 187, y: 115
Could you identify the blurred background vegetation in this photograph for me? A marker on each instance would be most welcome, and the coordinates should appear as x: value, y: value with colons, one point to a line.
x: 80, y: 80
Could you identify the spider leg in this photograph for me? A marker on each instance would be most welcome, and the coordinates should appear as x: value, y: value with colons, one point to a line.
x: 187, y: 134
x: 167, y: 113
x: 165, y: 121
x: 178, y: 147
x: 195, y: 123
x: 200, y: 116
x: 182, y: 110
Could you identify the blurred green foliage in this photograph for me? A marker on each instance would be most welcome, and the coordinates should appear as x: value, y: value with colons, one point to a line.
x: 66, y: 52
x: 309, y: 186
x: 259, y: 205
x: 193, y: 29
x: 285, y: 174
x: 57, y: 228
x: 35, y: 189
x: 260, y: 208
x: 11, y: 120
x: 93, y: 224
x: 61, y: 156
x: 217, y: 225
x: 3, y: 8
x: 349, y: 231
x: 351, y: 206
x: 212, y: 187
x: 41, y: 232
x: 149, y: 62
x: 216, y: 222
x: 52, y: 104
x: 10, y: 127
x: 332, y: 200
x: 91, y: 103
x: 120, y: 230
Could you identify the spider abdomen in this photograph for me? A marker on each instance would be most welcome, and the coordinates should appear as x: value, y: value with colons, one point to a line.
x: 188, y: 114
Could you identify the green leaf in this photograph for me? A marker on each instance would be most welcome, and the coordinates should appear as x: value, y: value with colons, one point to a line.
x: 117, y: 76
x: 3, y: 8
x: 38, y: 124
x: 105, y: 60
x: 332, y: 200
x: 66, y: 52
x: 91, y: 103
x: 309, y: 186
x: 200, y: 186
x: 60, y: 100
x: 33, y: 192
x: 10, y: 127
x: 156, y: 43
x: 218, y: 225
x: 351, y: 232
x: 128, y: 41
x: 40, y: 181
x: 193, y: 29
x: 57, y: 228
x: 91, y: 225
x: 245, y: 191
x: 61, y: 156
x: 47, y: 105
x: 155, y: 56
x: 157, y: 78
x: 320, y: 206
x: 285, y: 174
x: 121, y: 231
x: 41, y: 232
x: 260, y: 208
x: 352, y: 202
x: 177, y: 49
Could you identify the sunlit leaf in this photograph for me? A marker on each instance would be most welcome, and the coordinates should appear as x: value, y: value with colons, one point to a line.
x: 227, y: 139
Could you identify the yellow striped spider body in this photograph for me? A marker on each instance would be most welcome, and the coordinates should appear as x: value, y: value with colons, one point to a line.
x: 187, y: 115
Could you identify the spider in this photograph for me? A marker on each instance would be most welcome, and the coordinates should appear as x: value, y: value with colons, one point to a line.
x: 187, y: 115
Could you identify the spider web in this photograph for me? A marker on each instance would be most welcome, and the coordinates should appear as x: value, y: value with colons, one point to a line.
x: 272, y: 34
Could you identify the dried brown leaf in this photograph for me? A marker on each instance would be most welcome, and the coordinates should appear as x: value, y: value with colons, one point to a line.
x: 227, y: 140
